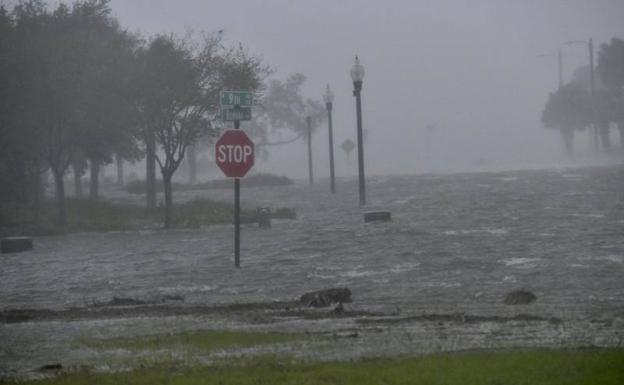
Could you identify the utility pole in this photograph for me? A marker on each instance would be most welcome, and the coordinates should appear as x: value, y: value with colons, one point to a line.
x: 592, y: 86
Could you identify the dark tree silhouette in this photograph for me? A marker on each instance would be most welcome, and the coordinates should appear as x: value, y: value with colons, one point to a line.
x: 567, y: 110
x: 179, y: 96
x: 611, y: 71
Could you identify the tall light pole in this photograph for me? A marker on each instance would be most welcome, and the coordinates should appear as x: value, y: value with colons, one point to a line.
x: 357, y: 75
x: 309, y: 127
x: 559, y: 64
x: 592, y: 86
x: 328, y: 97
x: 560, y: 67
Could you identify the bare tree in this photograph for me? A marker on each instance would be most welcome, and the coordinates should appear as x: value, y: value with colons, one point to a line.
x: 180, y: 96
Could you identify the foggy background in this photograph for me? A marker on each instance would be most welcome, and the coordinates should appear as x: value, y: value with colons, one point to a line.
x: 470, y: 68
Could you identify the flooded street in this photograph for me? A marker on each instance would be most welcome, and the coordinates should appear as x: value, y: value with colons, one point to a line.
x: 456, y: 246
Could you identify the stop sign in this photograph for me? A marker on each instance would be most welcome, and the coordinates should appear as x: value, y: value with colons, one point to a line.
x: 234, y: 153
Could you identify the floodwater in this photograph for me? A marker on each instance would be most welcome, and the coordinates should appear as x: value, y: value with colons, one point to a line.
x: 456, y: 245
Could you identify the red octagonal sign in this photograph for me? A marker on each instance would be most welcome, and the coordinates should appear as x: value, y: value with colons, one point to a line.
x: 234, y: 153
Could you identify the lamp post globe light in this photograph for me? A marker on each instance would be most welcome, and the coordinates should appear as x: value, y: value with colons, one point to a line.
x: 328, y: 98
x: 357, y: 75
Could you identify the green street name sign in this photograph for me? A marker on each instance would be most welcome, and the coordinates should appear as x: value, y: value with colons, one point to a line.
x: 231, y: 99
x: 233, y: 114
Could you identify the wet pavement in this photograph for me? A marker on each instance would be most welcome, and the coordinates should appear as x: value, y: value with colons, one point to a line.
x: 457, y: 244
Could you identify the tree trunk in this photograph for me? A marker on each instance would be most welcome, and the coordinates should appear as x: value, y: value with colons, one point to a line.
x: 60, y: 198
x: 77, y: 180
x: 168, y: 200
x: 568, y: 140
x: 192, y: 162
x: 120, y: 171
x: 94, y: 185
x: 38, y: 191
x: 150, y: 172
x: 604, y: 136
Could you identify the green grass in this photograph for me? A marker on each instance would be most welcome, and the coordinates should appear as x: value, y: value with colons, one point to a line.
x: 199, y: 340
x: 101, y: 215
x: 253, y: 180
x: 556, y: 367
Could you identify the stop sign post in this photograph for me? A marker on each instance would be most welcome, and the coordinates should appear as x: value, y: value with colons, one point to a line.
x: 234, y: 155
x: 234, y: 151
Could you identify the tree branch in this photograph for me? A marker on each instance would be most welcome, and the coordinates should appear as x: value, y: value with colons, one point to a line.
x: 281, y: 142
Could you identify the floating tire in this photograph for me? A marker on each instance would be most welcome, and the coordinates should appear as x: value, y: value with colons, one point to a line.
x: 15, y: 244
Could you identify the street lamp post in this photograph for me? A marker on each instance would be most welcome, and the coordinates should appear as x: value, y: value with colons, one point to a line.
x: 309, y: 125
x: 357, y: 75
x: 559, y: 64
x: 560, y: 67
x: 328, y: 97
x: 592, y: 86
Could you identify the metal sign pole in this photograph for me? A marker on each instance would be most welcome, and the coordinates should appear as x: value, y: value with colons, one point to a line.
x: 235, y: 156
x: 237, y: 213
x: 237, y: 222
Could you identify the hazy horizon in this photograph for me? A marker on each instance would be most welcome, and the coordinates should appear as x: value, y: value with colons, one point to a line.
x: 471, y: 68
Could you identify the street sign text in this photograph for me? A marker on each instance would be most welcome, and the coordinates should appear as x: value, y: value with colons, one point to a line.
x: 231, y: 99
x: 233, y: 114
x: 234, y: 153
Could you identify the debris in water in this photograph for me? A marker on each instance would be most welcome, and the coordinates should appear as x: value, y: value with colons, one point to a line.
x: 171, y: 297
x: 372, y: 216
x: 327, y: 297
x: 284, y: 213
x: 354, y: 334
x: 122, y: 301
x: 264, y: 217
x: 519, y: 297
x: 339, y: 309
x: 56, y: 366
x: 15, y: 244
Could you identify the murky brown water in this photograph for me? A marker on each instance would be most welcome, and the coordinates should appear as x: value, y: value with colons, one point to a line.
x: 457, y: 244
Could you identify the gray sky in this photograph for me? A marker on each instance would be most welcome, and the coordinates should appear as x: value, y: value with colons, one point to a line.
x: 470, y: 67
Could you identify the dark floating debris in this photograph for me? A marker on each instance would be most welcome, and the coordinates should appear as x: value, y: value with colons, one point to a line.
x: 264, y: 217
x: 374, y: 216
x: 126, y: 301
x: 347, y: 334
x: 170, y: 297
x: 460, y: 318
x: 339, y: 310
x: 15, y: 244
x: 121, y: 301
x: 284, y: 213
x: 51, y: 367
x: 327, y: 297
x: 519, y: 297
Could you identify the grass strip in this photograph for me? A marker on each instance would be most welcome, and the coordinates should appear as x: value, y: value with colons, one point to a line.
x: 556, y: 367
x: 201, y: 340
